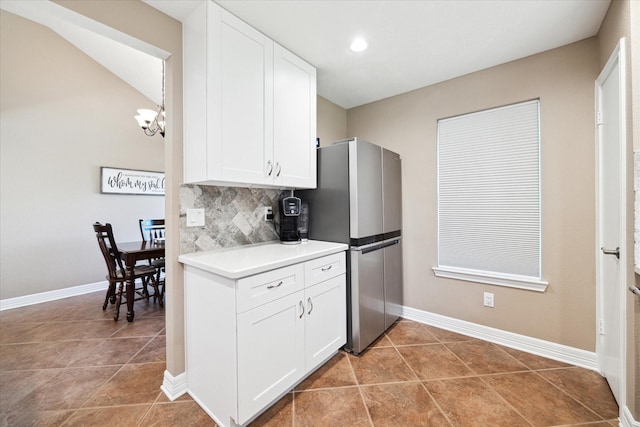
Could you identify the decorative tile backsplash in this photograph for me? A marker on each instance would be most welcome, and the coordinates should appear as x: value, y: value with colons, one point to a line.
x: 233, y: 217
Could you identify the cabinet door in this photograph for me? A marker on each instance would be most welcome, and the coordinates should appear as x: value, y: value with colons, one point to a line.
x: 294, y: 120
x: 270, y: 352
x: 325, y: 324
x: 240, y: 64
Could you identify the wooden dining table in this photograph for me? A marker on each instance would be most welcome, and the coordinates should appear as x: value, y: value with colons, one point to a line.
x: 131, y: 253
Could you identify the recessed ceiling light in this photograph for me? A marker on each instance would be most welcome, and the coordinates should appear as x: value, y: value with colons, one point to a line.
x: 359, y: 44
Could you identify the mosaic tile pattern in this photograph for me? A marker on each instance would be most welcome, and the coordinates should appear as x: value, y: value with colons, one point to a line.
x: 233, y: 217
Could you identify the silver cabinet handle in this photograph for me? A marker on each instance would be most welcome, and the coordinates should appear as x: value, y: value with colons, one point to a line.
x: 302, y: 308
x: 327, y: 268
x: 615, y: 251
x: 310, y: 305
x: 278, y: 169
x: 269, y: 168
x: 275, y: 286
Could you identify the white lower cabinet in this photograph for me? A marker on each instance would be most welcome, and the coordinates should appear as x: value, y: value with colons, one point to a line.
x: 262, y: 335
x: 271, y: 355
x: 325, y: 320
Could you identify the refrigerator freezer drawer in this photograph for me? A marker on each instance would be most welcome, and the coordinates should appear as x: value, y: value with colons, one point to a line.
x: 366, y: 299
x: 392, y: 283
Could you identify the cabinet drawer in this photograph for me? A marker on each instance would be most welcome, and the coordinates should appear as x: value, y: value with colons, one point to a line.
x: 321, y: 269
x: 262, y: 288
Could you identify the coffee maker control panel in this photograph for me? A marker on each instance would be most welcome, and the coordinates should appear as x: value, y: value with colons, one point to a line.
x: 291, y: 206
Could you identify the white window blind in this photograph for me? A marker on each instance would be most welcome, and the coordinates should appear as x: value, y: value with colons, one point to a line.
x: 489, y: 197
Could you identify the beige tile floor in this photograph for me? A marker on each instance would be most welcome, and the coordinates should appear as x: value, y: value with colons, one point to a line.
x: 67, y: 363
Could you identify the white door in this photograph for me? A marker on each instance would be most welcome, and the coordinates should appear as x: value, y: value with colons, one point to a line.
x: 326, y: 320
x: 294, y: 120
x: 270, y: 352
x: 240, y: 62
x: 611, y: 221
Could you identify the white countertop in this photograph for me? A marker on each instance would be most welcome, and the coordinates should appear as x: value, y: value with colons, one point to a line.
x: 243, y: 261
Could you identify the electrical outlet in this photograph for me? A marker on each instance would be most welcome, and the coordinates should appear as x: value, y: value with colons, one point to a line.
x: 195, y: 217
x: 488, y: 299
x: 268, y: 213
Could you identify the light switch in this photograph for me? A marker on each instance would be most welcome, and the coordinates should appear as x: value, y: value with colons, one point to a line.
x: 195, y: 217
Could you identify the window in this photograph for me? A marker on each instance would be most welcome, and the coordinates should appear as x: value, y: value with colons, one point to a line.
x: 489, y: 227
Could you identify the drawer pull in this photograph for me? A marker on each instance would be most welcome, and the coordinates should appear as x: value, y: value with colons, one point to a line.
x: 275, y: 286
x: 327, y: 268
x: 302, y: 308
x: 310, y: 305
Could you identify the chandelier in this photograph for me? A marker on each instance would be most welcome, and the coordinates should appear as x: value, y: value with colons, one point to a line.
x: 152, y: 121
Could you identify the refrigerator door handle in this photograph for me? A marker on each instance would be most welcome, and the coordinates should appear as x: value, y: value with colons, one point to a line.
x: 388, y: 243
x: 378, y: 245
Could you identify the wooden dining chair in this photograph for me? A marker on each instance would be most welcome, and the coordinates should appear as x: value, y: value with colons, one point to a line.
x: 117, y: 273
x: 153, y: 229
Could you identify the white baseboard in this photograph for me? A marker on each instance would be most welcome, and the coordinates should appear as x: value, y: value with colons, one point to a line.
x: 626, y: 419
x: 551, y: 350
x: 9, y: 303
x: 174, y: 387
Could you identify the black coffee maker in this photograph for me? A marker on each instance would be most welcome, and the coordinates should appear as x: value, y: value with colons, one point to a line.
x: 294, y: 220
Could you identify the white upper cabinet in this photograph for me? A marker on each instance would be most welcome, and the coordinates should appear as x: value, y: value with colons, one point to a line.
x: 239, y: 58
x: 249, y: 106
x: 294, y: 120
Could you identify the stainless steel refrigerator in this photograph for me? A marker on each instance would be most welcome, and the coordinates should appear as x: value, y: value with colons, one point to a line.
x: 358, y: 201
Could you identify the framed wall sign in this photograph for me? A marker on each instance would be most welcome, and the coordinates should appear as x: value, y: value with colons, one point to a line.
x: 129, y: 181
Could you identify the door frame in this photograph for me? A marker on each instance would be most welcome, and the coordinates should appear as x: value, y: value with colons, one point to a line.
x: 617, y: 57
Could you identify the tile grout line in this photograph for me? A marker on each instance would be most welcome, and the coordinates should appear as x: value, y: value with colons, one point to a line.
x: 570, y: 395
x: 421, y: 382
x: 364, y: 402
x: 149, y: 409
x: 293, y: 408
x: 494, y: 391
x: 460, y: 360
x: 435, y: 402
x: 115, y: 374
x: 477, y: 375
x: 50, y: 340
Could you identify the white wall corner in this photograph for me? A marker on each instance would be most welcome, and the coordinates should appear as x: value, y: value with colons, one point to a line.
x: 174, y: 387
x: 551, y: 350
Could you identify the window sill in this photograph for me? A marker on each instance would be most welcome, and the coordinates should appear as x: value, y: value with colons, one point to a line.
x: 491, y: 278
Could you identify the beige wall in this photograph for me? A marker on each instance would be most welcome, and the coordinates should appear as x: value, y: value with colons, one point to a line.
x: 616, y: 25
x: 148, y: 24
x: 332, y: 122
x: 563, y: 79
x: 62, y: 116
